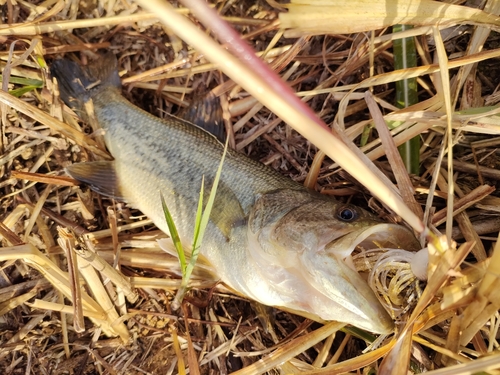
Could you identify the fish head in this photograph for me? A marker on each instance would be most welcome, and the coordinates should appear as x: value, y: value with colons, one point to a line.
x: 303, y: 241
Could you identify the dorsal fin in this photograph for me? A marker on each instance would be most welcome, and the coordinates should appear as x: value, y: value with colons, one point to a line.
x: 99, y: 175
x: 206, y: 112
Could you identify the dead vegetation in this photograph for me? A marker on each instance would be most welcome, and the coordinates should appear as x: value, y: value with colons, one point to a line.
x: 56, y: 234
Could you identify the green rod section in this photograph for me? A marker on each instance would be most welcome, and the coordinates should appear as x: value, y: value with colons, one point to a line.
x: 405, y: 56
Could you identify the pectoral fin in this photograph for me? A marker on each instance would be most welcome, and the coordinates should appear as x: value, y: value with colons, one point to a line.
x: 226, y: 212
x: 99, y: 175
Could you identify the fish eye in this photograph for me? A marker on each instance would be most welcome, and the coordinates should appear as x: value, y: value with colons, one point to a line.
x: 347, y: 213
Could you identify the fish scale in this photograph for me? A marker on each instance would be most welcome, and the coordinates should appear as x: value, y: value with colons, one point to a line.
x: 268, y: 237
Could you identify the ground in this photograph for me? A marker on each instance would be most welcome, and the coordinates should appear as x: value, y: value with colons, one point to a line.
x: 46, y: 215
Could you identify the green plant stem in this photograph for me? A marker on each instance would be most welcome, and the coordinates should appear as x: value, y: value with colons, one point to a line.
x: 405, y: 56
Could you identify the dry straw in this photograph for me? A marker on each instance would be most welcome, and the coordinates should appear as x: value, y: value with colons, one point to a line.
x: 452, y: 329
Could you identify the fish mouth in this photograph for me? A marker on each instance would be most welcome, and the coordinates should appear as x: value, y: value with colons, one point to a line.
x: 332, y: 274
x: 322, y: 283
x: 383, y: 235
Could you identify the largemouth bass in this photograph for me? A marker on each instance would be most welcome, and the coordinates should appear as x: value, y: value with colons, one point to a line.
x: 268, y: 237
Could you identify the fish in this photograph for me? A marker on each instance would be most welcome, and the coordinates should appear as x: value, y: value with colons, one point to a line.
x: 268, y: 238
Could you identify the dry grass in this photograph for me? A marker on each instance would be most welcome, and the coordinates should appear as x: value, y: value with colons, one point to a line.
x: 57, y: 235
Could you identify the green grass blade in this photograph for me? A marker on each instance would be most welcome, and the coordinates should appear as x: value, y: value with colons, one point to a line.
x: 359, y: 333
x: 365, y: 135
x: 174, y: 235
x: 28, y: 84
x: 202, y: 218
x: 22, y: 90
x: 194, y: 253
x: 205, y: 217
x: 405, y: 56
x: 199, y: 213
x: 25, y: 81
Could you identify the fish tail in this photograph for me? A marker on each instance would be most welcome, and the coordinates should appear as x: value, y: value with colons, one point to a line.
x: 78, y: 84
